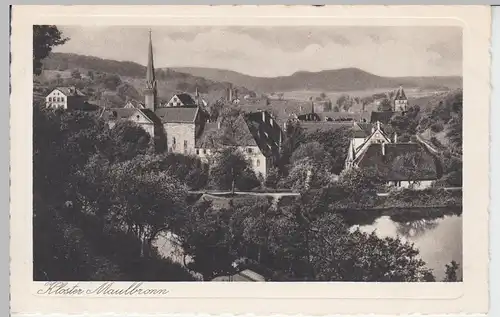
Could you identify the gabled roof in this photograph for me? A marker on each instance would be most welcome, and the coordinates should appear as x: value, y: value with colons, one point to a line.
x: 390, y: 163
x: 115, y: 114
x: 119, y: 113
x: 252, y: 132
x: 150, y: 115
x: 135, y: 104
x: 177, y: 114
x: 71, y: 91
x: 400, y: 94
x: 382, y: 116
x: 186, y: 99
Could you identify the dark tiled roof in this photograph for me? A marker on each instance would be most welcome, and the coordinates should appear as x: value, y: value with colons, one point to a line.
x: 382, y: 116
x: 119, y: 113
x: 151, y: 116
x: 345, y: 116
x: 252, y: 132
x: 325, y: 125
x: 203, y: 139
x: 71, y: 91
x: 177, y: 114
x: 400, y: 94
x: 390, y: 163
x: 186, y: 99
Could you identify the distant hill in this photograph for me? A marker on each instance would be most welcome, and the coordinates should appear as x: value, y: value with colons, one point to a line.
x: 169, y: 81
x: 346, y: 79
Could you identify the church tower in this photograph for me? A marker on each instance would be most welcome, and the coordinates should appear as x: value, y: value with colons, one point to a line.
x: 400, y: 100
x: 150, y: 93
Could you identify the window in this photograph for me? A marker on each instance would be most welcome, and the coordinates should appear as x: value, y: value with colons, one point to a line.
x: 173, y: 140
x: 249, y: 150
x: 185, y: 144
x: 197, y: 152
x: 137, y: 116
x: 204, y: 151
x: 258, y: 162
x: 177, y: 104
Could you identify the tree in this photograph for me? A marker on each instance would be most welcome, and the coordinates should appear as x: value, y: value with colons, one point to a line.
x: 45, y: 37
x: 313, y: 150
x: 412, y: 166
x: 327, y: 105
x: 335, y: 143
x: 451, y: 272
x: 229, y: 165
x: 75, y: 73
x: 126, y: 141
x: 206, y: 236
x: 340, y: 255
x: 345, y: 102
x: 361, y: 184
x: 322, y: 95
x: 385, y: 105
x: 273, y: 178
x: 112, y: 81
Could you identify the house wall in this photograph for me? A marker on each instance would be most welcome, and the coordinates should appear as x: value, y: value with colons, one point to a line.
x: 56, y: 100
x: 143, y: 122
x: 358, y: 142
x: 177, y: 135
x: 259, y: 163
x: 400, y: 105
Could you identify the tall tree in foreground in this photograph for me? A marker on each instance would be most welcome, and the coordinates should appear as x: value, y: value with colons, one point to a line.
x: 45, y: 37
x: 229, y: 165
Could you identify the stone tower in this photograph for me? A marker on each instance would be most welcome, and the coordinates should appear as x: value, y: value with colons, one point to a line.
x: 400, y: 100
x: 150, y: 93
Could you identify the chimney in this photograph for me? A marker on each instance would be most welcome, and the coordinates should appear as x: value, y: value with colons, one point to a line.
x: 219, y: 123
x: 395, y: 137
x: 378, y: 125
x: 231, y: 93
x: 263, y: 116
x: 383, y: 149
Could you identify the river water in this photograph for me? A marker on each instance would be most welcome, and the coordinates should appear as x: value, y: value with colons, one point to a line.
x: 439, y: 240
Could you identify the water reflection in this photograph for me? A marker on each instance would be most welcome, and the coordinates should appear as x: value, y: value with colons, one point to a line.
x: 416, y: 228
x: 438, y: 239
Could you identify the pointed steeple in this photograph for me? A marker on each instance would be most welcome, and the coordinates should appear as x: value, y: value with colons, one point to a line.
x: 150, y: 72
x: 150, y: 91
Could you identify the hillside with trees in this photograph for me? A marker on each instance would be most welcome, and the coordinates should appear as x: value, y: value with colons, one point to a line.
x: 346, y: 79
x: 113, y: 82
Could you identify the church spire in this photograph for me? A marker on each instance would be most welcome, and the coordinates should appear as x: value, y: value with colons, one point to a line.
x: 150, y: 91
x: 150, y: 74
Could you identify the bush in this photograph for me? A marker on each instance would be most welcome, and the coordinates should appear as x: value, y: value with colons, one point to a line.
x: 437, y: 127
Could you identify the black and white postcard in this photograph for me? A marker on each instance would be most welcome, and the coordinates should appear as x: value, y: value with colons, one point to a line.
x: 334, y: 158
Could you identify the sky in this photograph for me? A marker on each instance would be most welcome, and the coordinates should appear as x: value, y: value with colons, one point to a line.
x: 279, y: 51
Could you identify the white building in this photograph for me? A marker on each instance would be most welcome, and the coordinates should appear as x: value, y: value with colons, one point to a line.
x: 66, y: 98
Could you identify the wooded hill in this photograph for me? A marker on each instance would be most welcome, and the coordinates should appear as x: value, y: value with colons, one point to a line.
x: 119, y: 80
x: 346, y: 79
